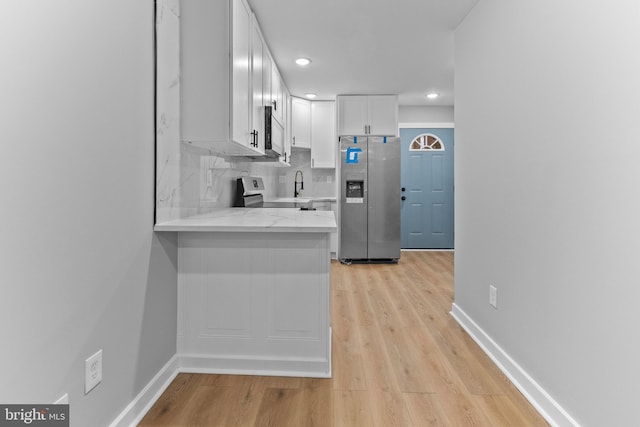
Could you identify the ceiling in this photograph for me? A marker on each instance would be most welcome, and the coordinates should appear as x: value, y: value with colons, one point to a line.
x: 402, y: 47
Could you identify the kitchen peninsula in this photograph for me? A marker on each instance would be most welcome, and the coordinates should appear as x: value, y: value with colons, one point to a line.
x: 253, y: 283
x: 253, y: 291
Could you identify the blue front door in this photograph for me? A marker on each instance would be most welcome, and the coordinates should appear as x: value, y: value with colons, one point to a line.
x: 427, y: 180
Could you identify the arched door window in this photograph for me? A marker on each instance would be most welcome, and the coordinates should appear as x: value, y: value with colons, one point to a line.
x: 426, y: 142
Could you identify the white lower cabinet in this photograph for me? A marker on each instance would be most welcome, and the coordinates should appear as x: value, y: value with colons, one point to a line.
x: 333, y: 237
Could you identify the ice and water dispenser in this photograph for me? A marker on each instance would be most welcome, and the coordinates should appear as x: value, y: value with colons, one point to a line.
x: 355, y: 192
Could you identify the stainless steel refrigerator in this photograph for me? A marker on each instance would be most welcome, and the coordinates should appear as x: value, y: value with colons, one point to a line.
x: 369, y: 199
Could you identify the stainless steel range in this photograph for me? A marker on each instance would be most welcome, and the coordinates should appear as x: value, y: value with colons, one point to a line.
x: 248, y: 192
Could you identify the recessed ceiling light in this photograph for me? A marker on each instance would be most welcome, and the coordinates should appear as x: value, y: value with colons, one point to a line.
x: 303, y: 61
x: 310, y: 95
x: 433, y: 95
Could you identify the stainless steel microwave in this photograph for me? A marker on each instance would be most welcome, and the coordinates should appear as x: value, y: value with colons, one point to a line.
x: 273, y: 134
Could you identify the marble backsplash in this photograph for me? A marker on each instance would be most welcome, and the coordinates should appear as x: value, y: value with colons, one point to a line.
x: 207, y: 181
x: 317, y: 182
x: 168, y: 151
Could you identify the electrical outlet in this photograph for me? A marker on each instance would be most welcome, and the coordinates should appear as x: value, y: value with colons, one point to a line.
x: 92, y: 371
x: 493, y: 296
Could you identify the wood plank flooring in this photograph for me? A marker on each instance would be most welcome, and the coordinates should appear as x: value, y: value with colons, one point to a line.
x: 399, y: 359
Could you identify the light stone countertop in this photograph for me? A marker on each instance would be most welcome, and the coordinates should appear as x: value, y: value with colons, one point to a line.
x: 274, y: 220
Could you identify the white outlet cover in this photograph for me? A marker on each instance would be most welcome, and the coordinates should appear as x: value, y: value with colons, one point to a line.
x: 92, y: 371
x: 493, y: 296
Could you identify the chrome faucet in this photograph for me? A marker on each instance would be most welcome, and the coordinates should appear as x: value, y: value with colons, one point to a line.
x: 296, y: 192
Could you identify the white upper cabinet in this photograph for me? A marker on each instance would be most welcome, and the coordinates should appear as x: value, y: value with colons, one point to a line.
x: 277, y: 94
x: 323, y: 134
x: 216, y: 79
x: 227, y: 78
x: 367, y: 115
x: 257, y: 73
x: 287, y: 126
x: 352, y: 115
x: 241, y: 73
x: 266, y: 76
x: 300, y: 123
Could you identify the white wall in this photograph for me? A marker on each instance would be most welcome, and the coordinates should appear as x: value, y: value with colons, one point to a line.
x: 425, y: 114
x: 547, y: 114
x: 82, y: 269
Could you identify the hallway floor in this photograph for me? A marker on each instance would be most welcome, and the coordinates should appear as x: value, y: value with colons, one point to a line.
x: 399, y: 359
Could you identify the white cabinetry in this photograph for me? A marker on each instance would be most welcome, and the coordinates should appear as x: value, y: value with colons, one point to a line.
x: 287, y: 127
x: 258, y: 66
x: 216, y: 76
x: 333, y: 237
x: 277, y: 94
x: 323, y: 134
x: 266, y: 76
x: 300, y: 123
x: 367, y: 115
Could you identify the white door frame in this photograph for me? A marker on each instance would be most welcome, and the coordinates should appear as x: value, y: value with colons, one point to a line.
x: 410, y: 125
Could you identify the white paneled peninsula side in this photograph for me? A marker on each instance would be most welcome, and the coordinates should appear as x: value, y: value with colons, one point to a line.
x: 253, y: 291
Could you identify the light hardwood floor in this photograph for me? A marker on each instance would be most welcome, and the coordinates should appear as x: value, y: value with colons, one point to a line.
x: 399, y: 359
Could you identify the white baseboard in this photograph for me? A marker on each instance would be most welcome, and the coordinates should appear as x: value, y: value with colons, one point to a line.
x: 292, y: 367
x: 207, y: 364
x: 137, y: 409
x: 307, y: 367
x: 532, y: 391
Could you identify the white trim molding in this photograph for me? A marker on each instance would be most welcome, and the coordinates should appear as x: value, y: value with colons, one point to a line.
x: 208, y: 364
x: 140, y: 405
x: 426, y: 125
x: 308, y: 367
x: 532, y: 391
